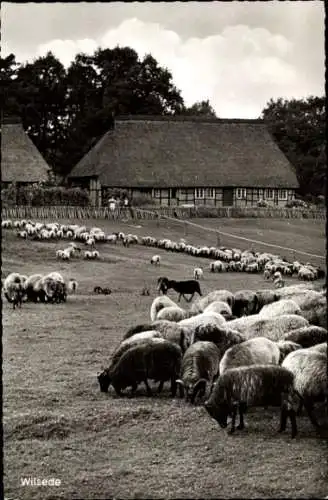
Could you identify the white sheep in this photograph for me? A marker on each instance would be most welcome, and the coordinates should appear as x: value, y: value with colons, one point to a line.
x: 221, y: 295
x: 257, y: 351
x: 272, y: 328
x: 309, y: 368
x: 13, y: 288
x: 220, y: 307
x: 158, y: 304
x: 172, y: 313
x: 198, y: 273
x: 156, y: 260
x: 283, y: 306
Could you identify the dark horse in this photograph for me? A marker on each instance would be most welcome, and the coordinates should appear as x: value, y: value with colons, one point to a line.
x: 181, y: 287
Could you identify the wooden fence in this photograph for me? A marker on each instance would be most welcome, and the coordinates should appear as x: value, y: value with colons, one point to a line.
x: 72, y: 212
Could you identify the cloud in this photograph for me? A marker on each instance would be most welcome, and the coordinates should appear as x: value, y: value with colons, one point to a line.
x: 239, y: 68
x: 66, y: 50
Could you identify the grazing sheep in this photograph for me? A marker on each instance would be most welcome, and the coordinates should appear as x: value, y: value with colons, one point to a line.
x: 265, y: 297
x: 29, y: 287
x: 221, y: 336
x: 220, y: 307
x: 257, y: 351
x: 169, y: 331
x: 172, y: 313
x: 256, y: 385
x: 158, y: 361
x: 200, y: 364
x: 158, y: 304
x: 198, y: 273
x: 286, y: 347
x: 319, y: 348
x: 307, y: 336
x: 131, y: 341
x: 283, y: 306
x: 313, y: 307
x: 309, y: 368
x: 97, y: 289
x: 221, y: 295
x: 245, y: 303
x: 156, y: 260
x: 272, y: 328
x: 13, y: 289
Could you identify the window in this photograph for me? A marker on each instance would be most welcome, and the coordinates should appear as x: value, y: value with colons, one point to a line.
x: 199, y: 193
x: 269, y: 194
x: 173, y: 193
x: 210, y: 193
x: 282, y: 194
x: 157, y: 193
x: 241, y: 193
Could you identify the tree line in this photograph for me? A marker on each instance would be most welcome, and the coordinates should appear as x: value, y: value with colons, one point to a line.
x: 66, y: 110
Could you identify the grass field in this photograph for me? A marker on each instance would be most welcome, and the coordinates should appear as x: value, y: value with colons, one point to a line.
x: 58, y: 424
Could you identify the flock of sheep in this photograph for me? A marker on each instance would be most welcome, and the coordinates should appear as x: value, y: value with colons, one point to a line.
x: 50, y: 288
x: 252, y: 348
x: 226, y: 259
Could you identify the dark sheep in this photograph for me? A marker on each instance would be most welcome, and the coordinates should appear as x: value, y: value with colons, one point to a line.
x: 222, y: 337
x: 200, y: 364
x: 181, y: 287
x: 159, y: 361
x: 307, y: 336
x: 256, y: 385
x: 246, y: 303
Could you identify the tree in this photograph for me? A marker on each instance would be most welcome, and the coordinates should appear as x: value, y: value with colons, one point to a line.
x: 9, y: 92
x: 299, y: 128
x: 42, y: 96
x: 202, y: 108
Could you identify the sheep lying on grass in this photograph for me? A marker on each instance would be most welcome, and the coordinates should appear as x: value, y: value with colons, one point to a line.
x: 200, y: 364
x: 309, y: 368
x: 150, y: 360
x: 256, y: 385
x: 103, y: 291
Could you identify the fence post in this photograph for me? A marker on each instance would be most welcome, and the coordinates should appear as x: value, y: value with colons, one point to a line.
x: 218, y: 241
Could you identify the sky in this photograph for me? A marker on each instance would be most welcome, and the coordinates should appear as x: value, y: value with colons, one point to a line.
x: 238, y: 55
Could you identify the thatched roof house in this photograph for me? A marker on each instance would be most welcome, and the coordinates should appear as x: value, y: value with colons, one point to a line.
x: 176, y: 156
x: 21, y: 161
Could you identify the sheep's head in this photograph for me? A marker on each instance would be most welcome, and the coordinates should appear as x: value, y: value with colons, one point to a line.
x: 219, y: 412
x: 104, y: 380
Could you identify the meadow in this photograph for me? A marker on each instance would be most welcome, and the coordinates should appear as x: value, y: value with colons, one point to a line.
x: 57, y: 423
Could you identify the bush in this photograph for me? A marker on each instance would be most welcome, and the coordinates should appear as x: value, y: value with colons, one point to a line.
x: 37, y: 195
x: 142, y: 200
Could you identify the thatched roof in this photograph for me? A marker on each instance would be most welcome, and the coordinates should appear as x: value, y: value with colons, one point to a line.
x: 189, y: 152
x: 21, y: 161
